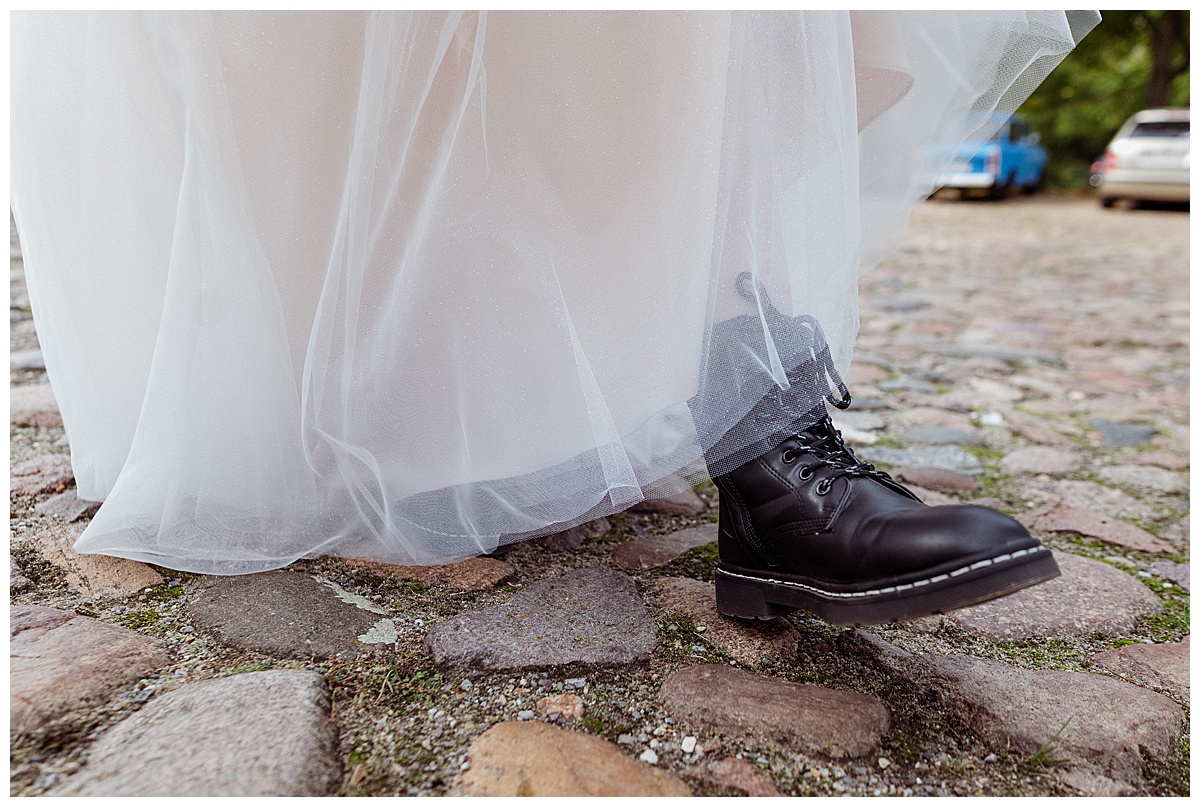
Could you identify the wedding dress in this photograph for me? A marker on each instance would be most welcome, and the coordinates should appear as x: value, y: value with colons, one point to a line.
x: 406, y: 286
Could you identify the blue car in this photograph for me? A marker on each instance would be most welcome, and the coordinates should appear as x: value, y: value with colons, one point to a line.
x: 1013, y: 160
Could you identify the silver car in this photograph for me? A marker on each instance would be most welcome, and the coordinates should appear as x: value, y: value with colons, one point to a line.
x: 1147, y: 160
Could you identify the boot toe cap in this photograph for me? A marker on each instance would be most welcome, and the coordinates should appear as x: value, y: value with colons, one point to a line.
x: 936, y: 538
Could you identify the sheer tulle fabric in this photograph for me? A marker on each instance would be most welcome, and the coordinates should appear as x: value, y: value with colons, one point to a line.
x: 406, y: 286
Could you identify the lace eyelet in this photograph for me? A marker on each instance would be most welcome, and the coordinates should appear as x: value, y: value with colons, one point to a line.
x: 823, y: 487
x: 790, y: 456
x: 806, y: 473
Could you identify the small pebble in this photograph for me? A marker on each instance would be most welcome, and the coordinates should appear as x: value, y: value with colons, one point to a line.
x: 884, y: 762
x: 688, y: 745
x: 189, y: 629
x: 625, y: 739
x: 649, y: 756
x: 991, y: 419
x: 465, y: 685
x: 525, y: 714
x: 990, y: 758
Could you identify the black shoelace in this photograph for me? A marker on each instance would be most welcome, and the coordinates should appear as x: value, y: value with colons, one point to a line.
x: 831, y: 451
x: 822, y: 439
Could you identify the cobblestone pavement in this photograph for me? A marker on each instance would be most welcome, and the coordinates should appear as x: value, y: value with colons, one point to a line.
x: 1031, y: 355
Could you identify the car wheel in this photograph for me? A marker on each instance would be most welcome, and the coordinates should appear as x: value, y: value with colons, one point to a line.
x: 1002, y: 190
x: 1108, y: 201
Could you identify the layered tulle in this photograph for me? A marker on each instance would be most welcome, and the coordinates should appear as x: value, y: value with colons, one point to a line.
x: 407, y: 286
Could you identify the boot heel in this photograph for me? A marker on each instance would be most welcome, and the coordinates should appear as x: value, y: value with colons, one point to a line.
x: 745, y: 601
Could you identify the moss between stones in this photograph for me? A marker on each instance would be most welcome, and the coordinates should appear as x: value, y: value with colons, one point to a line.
x: 700, y: 563
x: 143, y: 618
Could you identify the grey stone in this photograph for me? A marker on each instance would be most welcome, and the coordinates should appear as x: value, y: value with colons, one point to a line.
x: 1123, y: 435
x: 901, y: 304
x: 747, y: 642
x: 863, y: 421
x: 1078, y: 493
x: 802, y: 717
x: 575, y: 537
x: 1089, y: 597
x: 648, y: 553
x: 950, y: 458
x: 938, y: 479
x: 1039, y: 460
x: 1006, y: 354
x: 534, y: 759
x: 26, y: 360
x: 908, y: 383
x: 1165, y: 665
x: 933, y: 416
x: 590, y: 617
x: 69, y: 506
x: 16, y: 580
x: 1143, y: 478
x: 61, y: 665
x: 1114, y: 727
x: 48, y: 473
x: 939, y: 435
x: 33, y: 405
x: 1178, y: 573
x: 256, y: 734
x: 868, y: 404
x: 282, y: 614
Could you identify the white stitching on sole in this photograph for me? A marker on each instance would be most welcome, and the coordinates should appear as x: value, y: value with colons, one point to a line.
x: 890, y: 589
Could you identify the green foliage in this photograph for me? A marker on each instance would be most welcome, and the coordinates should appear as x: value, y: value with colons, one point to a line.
x: 1080, y: 106
x: 593, y: 724
x: 1045, y: 757
x: 139, y: 619
x: 165, y: 593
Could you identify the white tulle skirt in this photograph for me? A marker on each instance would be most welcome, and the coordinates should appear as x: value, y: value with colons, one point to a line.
x: 407, y: 286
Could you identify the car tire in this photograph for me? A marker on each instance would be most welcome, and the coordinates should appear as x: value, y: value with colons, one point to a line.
x: 1002, y: 190
x: 1108, y: 201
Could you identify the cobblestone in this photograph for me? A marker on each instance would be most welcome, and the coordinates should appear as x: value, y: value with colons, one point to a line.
x: 1044, y: 337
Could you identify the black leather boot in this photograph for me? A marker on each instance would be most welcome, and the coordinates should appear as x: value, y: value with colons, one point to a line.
x: 807, y: 526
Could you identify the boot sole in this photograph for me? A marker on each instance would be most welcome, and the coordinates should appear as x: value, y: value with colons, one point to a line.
x: 748, y: 594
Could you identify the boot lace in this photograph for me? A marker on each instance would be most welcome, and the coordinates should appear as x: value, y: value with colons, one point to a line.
x: 825, y: 442
x: 822, y: 439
